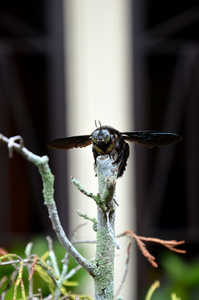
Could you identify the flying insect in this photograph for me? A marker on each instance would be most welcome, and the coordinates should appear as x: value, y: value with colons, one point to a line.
x: 108, y: 140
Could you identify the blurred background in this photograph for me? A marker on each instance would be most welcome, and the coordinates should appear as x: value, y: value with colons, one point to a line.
x: 133, y: 65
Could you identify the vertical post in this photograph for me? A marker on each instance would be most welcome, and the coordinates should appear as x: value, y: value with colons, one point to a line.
x: 99, y: 86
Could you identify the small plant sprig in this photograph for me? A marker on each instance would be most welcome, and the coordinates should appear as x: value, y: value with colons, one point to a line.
x: 152, y: 289
x: 56, y: 280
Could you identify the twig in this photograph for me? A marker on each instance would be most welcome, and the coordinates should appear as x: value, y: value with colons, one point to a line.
x: 81, y: 188
x: 76, y: 229
x: 11, y: 142
x: 52, y: 256
x: 84, y: 242
x: 28, y: 254
x: 126, y: 269
x: 35, y: 260
x: 139, y: 239
x: 10, y: 283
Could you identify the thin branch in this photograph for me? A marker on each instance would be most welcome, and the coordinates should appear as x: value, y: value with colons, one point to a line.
x: 84, y: 242
x: 81, y: 188
x: 12, y: 140
x: 52, y: 256
x: 126, y: 269
x: 76, y: 229
x: 48, y: 193
x: 10, y: 283
x: 96, y: 198
x: 86, y: 217
x: 139, y: 239
x: 28, y: 254
x: 35, y: 260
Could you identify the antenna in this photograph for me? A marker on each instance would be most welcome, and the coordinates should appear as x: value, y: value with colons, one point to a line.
x: 100, y: 125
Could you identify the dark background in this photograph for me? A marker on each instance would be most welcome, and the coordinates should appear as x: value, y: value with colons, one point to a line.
x: 166, y: 95
x: 166, y: 91
x: 32, y: 103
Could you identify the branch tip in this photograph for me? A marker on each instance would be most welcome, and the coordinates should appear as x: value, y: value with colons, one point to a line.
x: 11, y: 144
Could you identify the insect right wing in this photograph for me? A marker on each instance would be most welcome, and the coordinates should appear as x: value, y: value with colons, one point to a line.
x: 151, y: 138
x: 71, y: 142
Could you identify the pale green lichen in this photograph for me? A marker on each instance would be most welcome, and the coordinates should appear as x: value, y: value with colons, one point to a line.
x: 48, y: 184
x: 86, y: 217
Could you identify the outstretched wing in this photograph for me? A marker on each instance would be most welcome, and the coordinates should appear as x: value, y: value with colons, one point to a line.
x: 151, y: 138
x: 71, y: 142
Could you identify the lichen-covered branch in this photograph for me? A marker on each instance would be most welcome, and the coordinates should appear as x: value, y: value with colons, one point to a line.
x: 105, y: 246
x: 105, y: 243
x: 48, y: 193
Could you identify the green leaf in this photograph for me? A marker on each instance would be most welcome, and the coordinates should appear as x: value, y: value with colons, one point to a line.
x: 70, y: 283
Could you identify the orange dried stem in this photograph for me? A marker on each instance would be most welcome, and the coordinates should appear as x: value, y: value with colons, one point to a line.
x: 139, y: 239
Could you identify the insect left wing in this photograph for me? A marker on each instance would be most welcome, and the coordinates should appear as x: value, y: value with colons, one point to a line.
x: 71, y: 142
x: 151, y: 138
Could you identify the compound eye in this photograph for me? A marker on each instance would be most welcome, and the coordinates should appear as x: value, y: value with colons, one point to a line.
x: 106, y: 135
x: 95, y: 136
